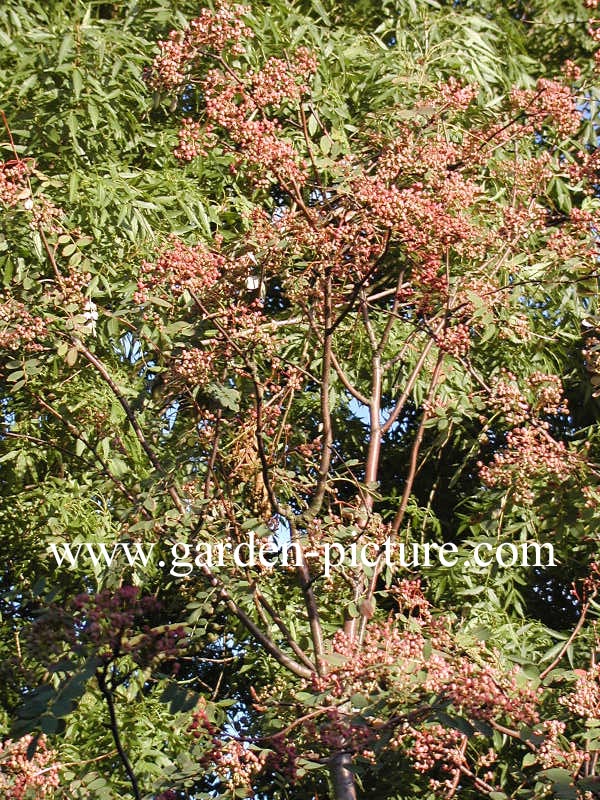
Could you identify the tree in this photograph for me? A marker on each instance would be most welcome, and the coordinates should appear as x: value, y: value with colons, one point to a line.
x: 275, y: 281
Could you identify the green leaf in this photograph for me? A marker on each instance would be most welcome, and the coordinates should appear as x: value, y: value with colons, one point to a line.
x: 77, y: 79
x: 65, y: 48
x: 71, y: 357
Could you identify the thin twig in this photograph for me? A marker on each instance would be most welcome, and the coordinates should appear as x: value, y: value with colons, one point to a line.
x: 571, y: 639
x: 114, y: 728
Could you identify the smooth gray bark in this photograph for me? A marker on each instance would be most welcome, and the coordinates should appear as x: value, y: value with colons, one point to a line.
x: 343, y: 777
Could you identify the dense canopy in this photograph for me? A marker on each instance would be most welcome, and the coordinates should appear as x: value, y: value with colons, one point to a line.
x: 315, y: 282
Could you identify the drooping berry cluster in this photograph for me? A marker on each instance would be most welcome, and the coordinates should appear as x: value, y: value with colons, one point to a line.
x: 531, y: 454
x: 23, y: 778
x: 109, y: 623
x: 212, y: 31
x: 180, y: 267
x: 549, y: 101
x: 14, y: 187
x: 194, y: 366
x: 19, y: 328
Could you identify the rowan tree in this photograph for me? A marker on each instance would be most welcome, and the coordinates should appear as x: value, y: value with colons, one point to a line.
x: 325, y: 279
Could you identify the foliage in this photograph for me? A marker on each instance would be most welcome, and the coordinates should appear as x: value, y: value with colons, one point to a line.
x: 319, y: 277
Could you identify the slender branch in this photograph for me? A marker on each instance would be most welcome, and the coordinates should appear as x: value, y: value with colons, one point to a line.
x: 571, y: 639
x: 392, y: 316
x: 408, y: 344
x: 283, y: 628
x: 260, y: 445
x: 77, y: 763
x: 317, y: 501
x: 303, y: 567
x: 400, y: 403
x: 114, y: 728
x: 213, y: 455
x: 405, y: 495
x: 308, y: 143
x: 453, y: 788
x: 129, y: 413
x: 83, y: 439
x: 398, y: 519
x: 356, y: 393
x: 513, y: 734
x: 334, y: 362
x: 372, y: 463
x: 477, y: 782
x: 314, y: 619
x: 373, y: 456
x: 367, y: 323
x: 297, y: 669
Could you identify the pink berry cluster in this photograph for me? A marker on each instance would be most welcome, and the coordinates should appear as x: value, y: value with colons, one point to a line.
x: 47, y: 215
x: 591, y: 355
x: 254, y: 137
x: 212, y: 31
x: 342, y: 243
x: 386, y: 646
x: 336, y: 731
x: 111, y: 623
x: 455, y: 339
x: 549, y: 101
x: 517, y: 328
x: 428, y: 289
x: 236, y: 101
x: 528, y: 176
x: 419, y: 218
x: 25, y: 779
x: 19, y: 328
x: 556, y: 751
x: 247, y: 323
x: 181, y: 267
x: 15, y: 191
x: 72, y: 287
x: 585, y: 167
x: 14, y: 185
x: 194, y: 366
x: 486, y: 693
x: 545, y: 397
x: 571, y: 70
x: 411, y: 156
x: 410, y: 598
x: 548, y: 394
x: 412, y: 658
x: 455, y: 95
x: 531, y: 454
x: 507, y: 398
x: 584, y: 699
x: 594, y: 30
x: 233, y: 762
x: 394, y: 652
x: 436, y: 748
x: 415, y: 191
x: 283, y: 758
x: 280, y: 81
x: 189, y: 136
x: 521, y: 221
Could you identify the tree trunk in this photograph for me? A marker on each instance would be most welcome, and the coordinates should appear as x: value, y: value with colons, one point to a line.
x: 343, y: 777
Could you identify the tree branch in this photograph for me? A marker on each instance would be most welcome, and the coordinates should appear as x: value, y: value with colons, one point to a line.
x: 114, y: 728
